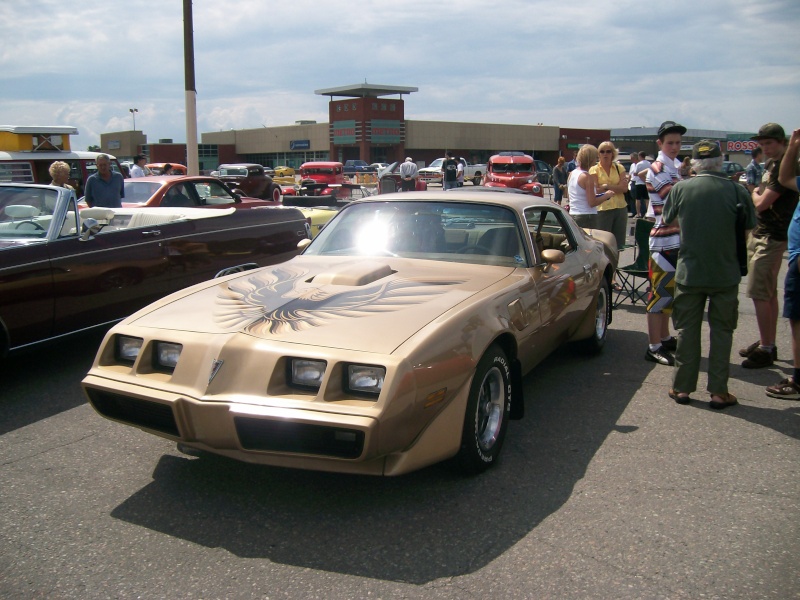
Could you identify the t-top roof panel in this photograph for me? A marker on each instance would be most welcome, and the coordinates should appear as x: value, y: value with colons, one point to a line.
x: 365, y: 90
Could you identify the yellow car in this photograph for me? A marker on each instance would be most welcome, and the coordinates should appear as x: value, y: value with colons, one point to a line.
x: 284, y: 172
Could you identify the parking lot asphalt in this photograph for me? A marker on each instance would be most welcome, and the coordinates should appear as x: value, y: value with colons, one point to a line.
x: 606, y: 489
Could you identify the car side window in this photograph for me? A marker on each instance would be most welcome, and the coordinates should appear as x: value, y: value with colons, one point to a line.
x: 211, y: 192
x: 70, y: 226
x: 549, y: 231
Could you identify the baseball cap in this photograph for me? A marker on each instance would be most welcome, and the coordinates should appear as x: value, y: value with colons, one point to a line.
x: 409, y: 159
x: 706, y: 149
x: 770, y: 131
x: 670, y: 127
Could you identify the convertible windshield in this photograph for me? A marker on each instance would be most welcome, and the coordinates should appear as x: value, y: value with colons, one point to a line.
x: 26, y: 212
x: 445, y: 231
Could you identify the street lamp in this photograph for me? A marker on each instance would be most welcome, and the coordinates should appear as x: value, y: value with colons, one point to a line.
x: 133, y: 112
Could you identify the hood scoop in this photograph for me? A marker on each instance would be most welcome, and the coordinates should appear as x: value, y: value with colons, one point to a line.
x: 362, y: 273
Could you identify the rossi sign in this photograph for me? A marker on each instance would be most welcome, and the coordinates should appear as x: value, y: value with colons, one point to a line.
x: 741, y: 145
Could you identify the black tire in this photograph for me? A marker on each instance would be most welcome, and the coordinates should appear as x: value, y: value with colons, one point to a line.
x: 476, y: 180
x: 487, y: 414
x: 602, y: 318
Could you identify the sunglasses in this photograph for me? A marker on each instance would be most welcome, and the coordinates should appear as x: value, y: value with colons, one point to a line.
x: 606, y: 152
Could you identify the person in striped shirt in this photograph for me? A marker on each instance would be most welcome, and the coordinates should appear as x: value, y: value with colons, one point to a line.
x: 665, y: 240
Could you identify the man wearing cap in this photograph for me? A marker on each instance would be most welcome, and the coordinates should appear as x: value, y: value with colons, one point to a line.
x: 789, y: 388
x: 754, y: 171
x: 408, y: 175
x: 774, y: 207
x: 705, y: 207
x: 665, y: 240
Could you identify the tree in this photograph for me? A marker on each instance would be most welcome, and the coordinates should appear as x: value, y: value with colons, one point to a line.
x: 93, y: 148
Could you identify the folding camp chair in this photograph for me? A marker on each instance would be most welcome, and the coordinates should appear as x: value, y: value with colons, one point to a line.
x: 628, y: 275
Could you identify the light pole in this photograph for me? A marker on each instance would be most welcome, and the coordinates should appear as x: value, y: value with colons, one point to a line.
x: 133, y: 112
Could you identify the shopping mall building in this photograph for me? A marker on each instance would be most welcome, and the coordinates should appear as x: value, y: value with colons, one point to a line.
x: 368, y: 122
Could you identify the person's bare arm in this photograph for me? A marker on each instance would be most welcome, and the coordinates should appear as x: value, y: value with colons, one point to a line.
x: 787, y: 175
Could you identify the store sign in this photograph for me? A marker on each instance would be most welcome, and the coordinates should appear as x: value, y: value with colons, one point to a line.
x: 344, y: 132
x: 386, y: 132
x: 741, y: 145
x: 299, y: 144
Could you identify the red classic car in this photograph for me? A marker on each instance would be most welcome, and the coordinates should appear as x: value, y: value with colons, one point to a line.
x: 63, y: 270
x: 320, y: 178
x: 513, y: 170
x: 179, y: 190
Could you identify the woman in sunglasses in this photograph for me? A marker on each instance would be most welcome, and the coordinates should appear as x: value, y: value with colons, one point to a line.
x: 612, y: 215
x: 584, y: 195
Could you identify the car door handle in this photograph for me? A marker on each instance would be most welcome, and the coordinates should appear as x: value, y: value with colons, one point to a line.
x: 151, y: 233
x: 587, y: 272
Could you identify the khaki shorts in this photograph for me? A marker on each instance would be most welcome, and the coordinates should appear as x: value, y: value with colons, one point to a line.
x: 764, y: 261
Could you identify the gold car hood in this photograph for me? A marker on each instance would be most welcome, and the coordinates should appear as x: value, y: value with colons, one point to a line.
x: 371, y: 305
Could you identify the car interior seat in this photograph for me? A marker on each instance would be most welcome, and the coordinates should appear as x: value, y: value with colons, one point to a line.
x: 501, y: 241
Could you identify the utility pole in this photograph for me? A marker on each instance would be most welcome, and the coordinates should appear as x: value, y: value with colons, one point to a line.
x: 192, y: 161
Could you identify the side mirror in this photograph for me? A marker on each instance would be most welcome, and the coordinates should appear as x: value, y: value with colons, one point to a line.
x: 553, y: 257
x: 303, y: 244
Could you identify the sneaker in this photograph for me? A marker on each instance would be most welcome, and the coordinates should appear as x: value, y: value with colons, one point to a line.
x: 758, y: 359
x: 786, y: 389
x: 745, y: 352
x: 670, y: 345
x: 659, y: 356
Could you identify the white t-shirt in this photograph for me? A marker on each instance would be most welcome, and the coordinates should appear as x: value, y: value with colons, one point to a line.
x: 578, y: 204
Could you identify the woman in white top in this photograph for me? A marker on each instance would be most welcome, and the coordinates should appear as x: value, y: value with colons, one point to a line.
x: 583, y: 199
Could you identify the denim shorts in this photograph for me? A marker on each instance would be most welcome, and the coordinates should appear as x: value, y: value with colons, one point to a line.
x: 791, y: 292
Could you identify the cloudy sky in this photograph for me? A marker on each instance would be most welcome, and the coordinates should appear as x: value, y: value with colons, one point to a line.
x: 709, y: 64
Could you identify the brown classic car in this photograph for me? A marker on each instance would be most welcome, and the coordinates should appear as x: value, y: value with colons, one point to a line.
x: 63, y: 269
x: 251, y: 179
x: 399, y: 337
x: 180, y: 190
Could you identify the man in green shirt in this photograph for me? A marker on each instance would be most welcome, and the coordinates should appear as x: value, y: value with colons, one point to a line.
x: 708, y: 269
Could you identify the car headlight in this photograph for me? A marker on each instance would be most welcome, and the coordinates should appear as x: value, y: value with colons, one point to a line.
x: 306, y: 373
x: 127, y: 348
x: 365, y: 379
x: 166, y: 355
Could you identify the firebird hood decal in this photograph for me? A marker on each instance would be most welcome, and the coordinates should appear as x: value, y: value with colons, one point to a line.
x: 336, y: 302
x: 277, y: 302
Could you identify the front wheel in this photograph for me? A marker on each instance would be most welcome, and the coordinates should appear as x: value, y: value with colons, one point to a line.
x: 476, y: 180
x: 487, y: 414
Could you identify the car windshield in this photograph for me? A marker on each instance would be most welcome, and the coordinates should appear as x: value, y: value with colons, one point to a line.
x: 317, y: 171
x: 466, y: 232
x: 512, y: 167
x: 26, y: 212
x: 239, y: 171
x: 139, y: 192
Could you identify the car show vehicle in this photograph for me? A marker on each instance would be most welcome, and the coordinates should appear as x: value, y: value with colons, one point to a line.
x: 733, y: 170
x: 251, y: 179
x: 283, y: 171
x: 64, y: 270
x: 513, y: 170
x: 185, y: 191
x: 398, y: 339
x: 321, y: 178
x: 389, y: 180
x: 433, y: 172
x: 158, y: 168
x: 352, y: 167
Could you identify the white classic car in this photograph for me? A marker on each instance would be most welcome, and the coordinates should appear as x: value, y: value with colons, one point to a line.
x: 399, y: 338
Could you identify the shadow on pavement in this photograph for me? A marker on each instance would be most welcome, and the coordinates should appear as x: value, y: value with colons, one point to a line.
x: 415, y: 528
x: 40, y: 382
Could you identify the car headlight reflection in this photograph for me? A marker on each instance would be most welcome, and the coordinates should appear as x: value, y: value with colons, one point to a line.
x: 127, y: 348
x: 365, y: 379
x: 166, y: 355
x: 306, y: 373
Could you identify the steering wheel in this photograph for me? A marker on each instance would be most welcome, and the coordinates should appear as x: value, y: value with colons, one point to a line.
x: 473, y: 249
x: 36, y: 226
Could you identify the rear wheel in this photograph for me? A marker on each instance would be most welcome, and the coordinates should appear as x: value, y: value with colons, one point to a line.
x: 275, y: 192
x: 476, y: 180
x: 602, y: 316
x: 487, y: 414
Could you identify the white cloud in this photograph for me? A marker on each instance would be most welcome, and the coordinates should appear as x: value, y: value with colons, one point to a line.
x: 714, y: 65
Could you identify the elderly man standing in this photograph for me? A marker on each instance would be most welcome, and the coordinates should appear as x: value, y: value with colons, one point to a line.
x: 708, y: 269
x: 105, y: 188
x: 408, y: 175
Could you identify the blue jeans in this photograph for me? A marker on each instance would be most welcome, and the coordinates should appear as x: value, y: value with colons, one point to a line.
x: 449, y: 185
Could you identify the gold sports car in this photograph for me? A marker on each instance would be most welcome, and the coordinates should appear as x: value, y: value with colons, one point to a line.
x: 397, y: 339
